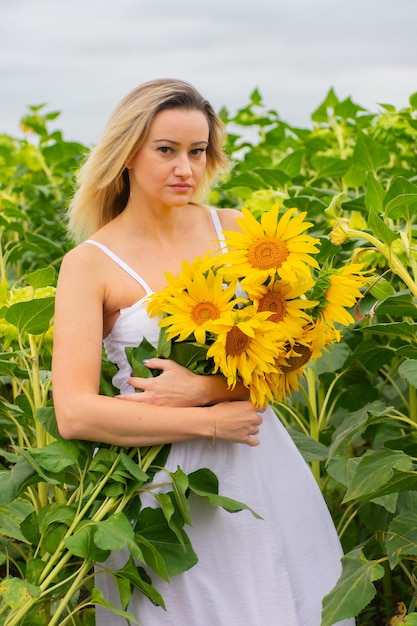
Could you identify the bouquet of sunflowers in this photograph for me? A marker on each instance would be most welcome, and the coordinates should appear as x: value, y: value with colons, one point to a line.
x: 258, y: 312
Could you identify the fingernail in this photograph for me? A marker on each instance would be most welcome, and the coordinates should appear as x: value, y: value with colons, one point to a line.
x: 145, y: 361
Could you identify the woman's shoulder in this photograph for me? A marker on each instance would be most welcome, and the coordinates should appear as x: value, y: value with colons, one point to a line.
x: 228, y: 217
x: 79, y: 258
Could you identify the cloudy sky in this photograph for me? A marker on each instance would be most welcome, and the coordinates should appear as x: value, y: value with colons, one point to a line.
x: 82, y: 56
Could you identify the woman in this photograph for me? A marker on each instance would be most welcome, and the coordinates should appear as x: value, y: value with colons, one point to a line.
x: 138, y: 206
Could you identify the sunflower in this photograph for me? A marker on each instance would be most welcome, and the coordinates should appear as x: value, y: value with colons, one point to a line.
x: 177, y: 284
x: 342, y: 292
x: 291, y: 364
x: 199, y: 307
x: 286, y: 307
x: 246, y: 350
x: 273, y: 246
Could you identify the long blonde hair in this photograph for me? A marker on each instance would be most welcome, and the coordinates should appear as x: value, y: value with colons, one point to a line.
x: 103, y: 182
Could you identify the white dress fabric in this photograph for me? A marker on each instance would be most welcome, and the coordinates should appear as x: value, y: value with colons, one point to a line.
x: 272, y: 571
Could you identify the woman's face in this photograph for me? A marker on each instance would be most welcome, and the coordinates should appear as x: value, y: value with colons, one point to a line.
x: 167, y: 169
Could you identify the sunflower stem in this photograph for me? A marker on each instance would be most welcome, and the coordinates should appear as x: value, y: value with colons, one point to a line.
x: 314, y: 421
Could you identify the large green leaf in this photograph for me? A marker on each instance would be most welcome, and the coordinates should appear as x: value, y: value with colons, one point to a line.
x: 115, y: 533
x: 99, y: 600
x: 15, y: 591
x: 82, y: 543
x: 292, y: 163
x: 380, y: 228
x: 14, y: 480
x: 403, y: 330
x: 399, y: 305
x: 11, y: 517
x: 353, y: 424
x: 401, y: 199
x: 205, y: 484
x: 178, y: 556
x: 32, y: 317
x: 330, y: 167
x: 56, y: 456
x: 374, y: 194
x: 368, y: 154
x: 43, y: 277
x: 309, y: 449
x: 374, y: 470
x: 408, y: 370
x: 354, y: 589
x: 401, y: 537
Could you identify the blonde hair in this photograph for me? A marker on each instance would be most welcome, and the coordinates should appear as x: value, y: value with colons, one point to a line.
x: 103, y: 181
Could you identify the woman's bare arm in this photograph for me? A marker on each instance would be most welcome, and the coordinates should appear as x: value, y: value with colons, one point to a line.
x: 82, y: 413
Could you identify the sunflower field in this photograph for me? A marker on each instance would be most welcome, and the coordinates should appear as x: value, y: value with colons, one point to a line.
x: 348, y: 398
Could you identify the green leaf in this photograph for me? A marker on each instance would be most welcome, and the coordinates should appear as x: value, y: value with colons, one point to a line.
x: 370, y: 355
x: 354, y: 424
x: 400, y: 199
x: 401, y: 537
x: 205, y: 484
x: 46, y: 417
x: 178, y: 556
x: 180, y: 486
x: 413, y: 100
x: 321, y: 114
x: 115, y: 533
x: 329, y: 167
x: 354, y: 589
x: 136, y: 577
x: 82, y: 543
x: 272, y: 177
x: 133, y: 468
x: 97, y: 598
x: 137, y: 355
x: 403, y: 330
x: 11, y: 517
x: 374, y: 470
x: 152, y: 557
x: 374, y: 194
x: 368, y: 154
x: 175, y: 523
x: 309, y: 449
x: 164, y: 345
x: 379, y: 228
x: 57, y: 456
x: 398, y: 305
x: 56, y: 513
x: 408, y: 370
x: 13, y: 481
x: 43, y: 277
x: 292, y: 163
x: 15, y: 592
x: 32, y: 317
x: 251, y: 181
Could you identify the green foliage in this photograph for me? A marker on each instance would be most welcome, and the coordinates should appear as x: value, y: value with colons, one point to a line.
x: 65, y: 505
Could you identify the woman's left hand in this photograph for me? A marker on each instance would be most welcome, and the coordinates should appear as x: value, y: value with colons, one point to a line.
x: 175, y: 386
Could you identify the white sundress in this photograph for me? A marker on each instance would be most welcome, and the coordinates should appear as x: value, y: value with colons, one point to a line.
x: 272, y: 571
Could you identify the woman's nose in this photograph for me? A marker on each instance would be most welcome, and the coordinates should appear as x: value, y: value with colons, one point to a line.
x: 182, y: 166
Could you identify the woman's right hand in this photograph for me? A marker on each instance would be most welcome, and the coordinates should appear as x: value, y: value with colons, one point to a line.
x: 236, y: 421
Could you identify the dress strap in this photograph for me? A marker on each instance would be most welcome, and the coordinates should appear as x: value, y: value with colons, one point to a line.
x: 121, y: 264
x: 218, y: 228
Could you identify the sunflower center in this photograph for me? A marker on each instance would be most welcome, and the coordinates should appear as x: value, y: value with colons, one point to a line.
x: 275, y: 303
x: 203, y: 312
x: 236, y: 341
x: 295, y: 362
x: 267, y: 253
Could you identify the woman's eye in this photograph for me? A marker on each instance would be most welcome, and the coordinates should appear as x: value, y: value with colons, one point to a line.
x: 165, y: 149
x: 198, y: 152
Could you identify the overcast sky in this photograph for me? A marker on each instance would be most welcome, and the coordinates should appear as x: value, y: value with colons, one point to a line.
x: 82, y: 56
